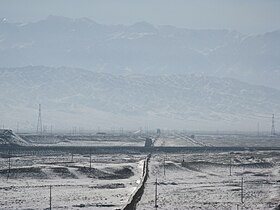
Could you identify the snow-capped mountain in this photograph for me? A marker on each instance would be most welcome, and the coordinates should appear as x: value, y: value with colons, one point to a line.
x: 71, y: 96
x: 141, y: 49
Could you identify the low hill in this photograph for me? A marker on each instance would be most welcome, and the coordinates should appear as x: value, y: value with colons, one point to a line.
x: 76, y: 97
x: 8, y: 137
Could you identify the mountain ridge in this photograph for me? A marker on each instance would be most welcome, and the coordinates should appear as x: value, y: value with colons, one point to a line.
x: 141, y: 48
x: 75, y: 96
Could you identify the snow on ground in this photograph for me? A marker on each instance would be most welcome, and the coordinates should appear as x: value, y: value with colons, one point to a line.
x: 9, y: 137
x: 243, y: 140
x: 108, y: 185
x: 192, y: 180
x: 85, y: 140
x: 203, y: 181
x: 166, y: 138
x: 177, y: 138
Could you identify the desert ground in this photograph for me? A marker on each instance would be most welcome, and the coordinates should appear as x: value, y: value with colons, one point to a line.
x: 203, y: 178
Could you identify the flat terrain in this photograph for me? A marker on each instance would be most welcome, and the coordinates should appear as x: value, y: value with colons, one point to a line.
x: 107, y: 185
x: 201, y: 176
x: 203, y: 181
x: 165, y: 139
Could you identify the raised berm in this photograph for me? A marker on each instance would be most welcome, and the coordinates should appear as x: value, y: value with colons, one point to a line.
x: 8, y: 137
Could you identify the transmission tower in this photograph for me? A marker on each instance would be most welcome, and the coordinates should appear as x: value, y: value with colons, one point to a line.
x: 39, y: 123
x: 272, y: 126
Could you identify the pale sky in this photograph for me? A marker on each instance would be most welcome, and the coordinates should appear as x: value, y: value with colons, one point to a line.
x: 247, y: 16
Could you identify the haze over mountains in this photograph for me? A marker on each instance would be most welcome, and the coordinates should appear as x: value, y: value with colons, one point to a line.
x: 138, y: 75
x: 84, y: 98
x: 141, y: 48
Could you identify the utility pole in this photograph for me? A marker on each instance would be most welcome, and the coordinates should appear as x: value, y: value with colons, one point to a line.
x: 242, y: 190
x: 90, y: 160
x: 230, y: 167
x: 273, y: 126
x: 9, y: 164
x: 258, y: 129
x: 39, y: 123
x: 156, y: 206
x: 50, y: 197
x: 164, y: 166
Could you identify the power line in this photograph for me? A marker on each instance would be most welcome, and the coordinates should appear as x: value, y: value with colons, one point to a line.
x: 268, y: 116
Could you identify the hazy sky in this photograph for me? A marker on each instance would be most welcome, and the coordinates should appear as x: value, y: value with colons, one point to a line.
x: 248, y: 16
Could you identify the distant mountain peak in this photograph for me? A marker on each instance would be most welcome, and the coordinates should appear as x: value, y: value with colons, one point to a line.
x: 141, y: 48
x: 3, y: 20
x: 62, y: 19
x: 56, y: 18
x: 143, y: 26
x: 86, y: 20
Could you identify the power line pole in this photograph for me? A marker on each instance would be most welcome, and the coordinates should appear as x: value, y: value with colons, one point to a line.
x: 156, y: 206
x: 9, y: 165
x: 273, y: 126
x: 164, y: 166
x: 17, y: 127
x: 258, y: 129
x: 90, y: 160
x: 9, y: 162
x: 242, y: 190
x: 50, y: 197
x: 230, y: 166
x: 39, y: 123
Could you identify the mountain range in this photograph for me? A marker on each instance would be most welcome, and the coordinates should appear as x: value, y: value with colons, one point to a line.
x: 77, y: 97
x: 141, y: 48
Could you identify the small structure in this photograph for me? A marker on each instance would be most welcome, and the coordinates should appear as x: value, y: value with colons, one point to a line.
x: 158, y: 131
x: 148, y: 142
